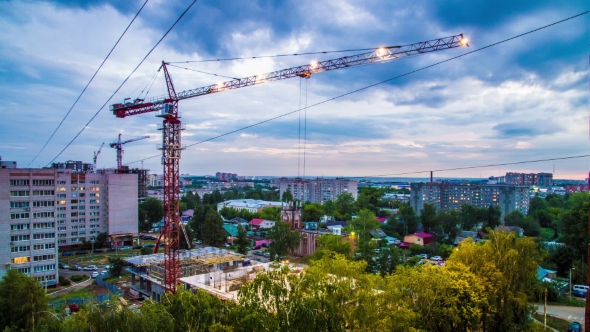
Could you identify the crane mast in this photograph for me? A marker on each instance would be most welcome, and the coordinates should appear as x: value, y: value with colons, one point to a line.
x: 96, y: 153
x: 118, y: 145
x: 171, y: 147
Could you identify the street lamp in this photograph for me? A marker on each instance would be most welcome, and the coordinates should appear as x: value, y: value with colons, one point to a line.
x: 573, y: 268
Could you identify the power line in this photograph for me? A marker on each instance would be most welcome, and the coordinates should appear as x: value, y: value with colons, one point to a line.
x: 372, y: 85
x: 473, y: 167
x: 91, y: 79
x: 202, y: 72
x: 124, y: 81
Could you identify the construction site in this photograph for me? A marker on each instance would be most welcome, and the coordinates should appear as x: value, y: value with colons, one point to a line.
x: 217, y: 271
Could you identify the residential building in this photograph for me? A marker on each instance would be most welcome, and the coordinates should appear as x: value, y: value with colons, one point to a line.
x: 225, y: 176
x: 318, y: 190
x: 529, y: 179
x: 252, y: 205
x: 257, y: 224
x: 446, y: 196
x: 420, y: 238
x: 42, y: 210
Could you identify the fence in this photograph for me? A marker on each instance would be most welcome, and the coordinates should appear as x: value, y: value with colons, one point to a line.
x: 113, y: 293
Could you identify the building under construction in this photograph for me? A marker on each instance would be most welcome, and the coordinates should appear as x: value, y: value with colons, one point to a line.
x: 147, y: 271
x: 142, y: 178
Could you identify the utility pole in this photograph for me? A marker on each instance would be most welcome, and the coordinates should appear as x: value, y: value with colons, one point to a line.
x: 587, y: 312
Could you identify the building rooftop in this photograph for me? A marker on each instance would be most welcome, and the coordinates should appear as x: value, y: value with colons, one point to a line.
x: 206, y: 255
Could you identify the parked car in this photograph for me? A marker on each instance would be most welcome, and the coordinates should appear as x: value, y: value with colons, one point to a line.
x: 73, y: 307
x: 67, y: 253
x: 99, y: 250
x: 377, y: 251
x: 227, y: 245
x: 63, y: 266
x: 76, y: 268
x: 198, y: 242
x: 267, y: 255
x: 258, y: 253
x: 423, y: 256
x: 91, y: 268
x: 94, y: 274
x: 83, y: 252
x: 151, y: 245
x: 578, y: 293
x: 575, y: 327
x: 137, y: 247
x: 104, y: 273
x: 126, y: 248
x: 436, y: 258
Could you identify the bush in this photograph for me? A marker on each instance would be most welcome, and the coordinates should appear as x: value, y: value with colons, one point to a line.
x: 77, y: 277
x: 64, y: 281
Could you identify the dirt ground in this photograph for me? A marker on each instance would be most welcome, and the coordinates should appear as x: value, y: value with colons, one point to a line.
x: 97, y: 290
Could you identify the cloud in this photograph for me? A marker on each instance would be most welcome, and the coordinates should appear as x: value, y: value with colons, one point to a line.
x: 511, y: 129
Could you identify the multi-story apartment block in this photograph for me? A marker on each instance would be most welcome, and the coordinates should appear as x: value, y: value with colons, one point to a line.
x: 446, y: 196
x: 225, y: 176
x: 42, y: 210
x: 318, y: 190
x: 529, y: 179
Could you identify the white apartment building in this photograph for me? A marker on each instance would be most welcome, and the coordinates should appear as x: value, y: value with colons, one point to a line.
x: 318, y: 190
x: 252, y: 205
x: 42, y: 210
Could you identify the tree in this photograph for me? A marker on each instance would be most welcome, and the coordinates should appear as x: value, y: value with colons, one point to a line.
x: 528, y: 223
x: 117, y: 266
x: 150, y: 211
x: 271, y: 213
x: 369, y: 199
x: 469, y: 216
x: 22, y: 301
x: 329, y: 207
x: 312, y: 212
x: 363, y: 225
x: 450, y: 222
x: 492, y: 216
x: 574, y: 223
x: 242, y: 240
x: 283, y: 240
x: 507, y: 267
x: 344, y: 206
x: 228, y: 213
x: 330, y: 243
x: 388, y: 260
x: 213, y: 232
x: 563, y: 257
x: 428, y: 217
x: 408, y: 219
x: 287, y: 196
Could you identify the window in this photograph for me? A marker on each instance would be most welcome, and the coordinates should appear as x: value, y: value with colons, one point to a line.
x: 81, y: 182
x: 43, y: 203
x: 22, y: 215
x: 95, y: 195
x: 74, y: 201
x: 20, y: 248
x: 62, y: 241
x: 44, y: 268
x: 73, y: 207
x: 40, y: 258
x: 94, y: 220
x: 74, y: 214
x: 17, y: 238
x: 62, y: 234
x: 74, y: 227
x: 61, y: 208
x: 82, y: 220
x: 94, y: 182
x: 19, y: 227
x: 61, y: 215
x: 94, y: 188
x: 40, y: 225
x: 81, y: 188
x: 19, y: 193
x: 45, y: 278
x: 94, y: 201
x: 82, y: 195
x: 82, y: 213
x: 81, y: 201
x: 82, y: 226
x: 43, y: 192
x: 74, y: 195
x: 82, y: 233
x: 20, y: 260
x: 74, y: 188
x: 95, y: 207
x: 44, y: 246
x: 62, y: 228
x: 17, y: 205
x: 74, y: 234
x: 43, y: 215
x: 43, y: 182
x: 61, y: 182
x: 61, y: 195
x: 44, y: 236
x: 25, y: 270
x: 19, y: 182
x: 94, y: 226
x: 74, y: 220
x: 61, y: 222
x: 62, y: 202
x: 95, y: 213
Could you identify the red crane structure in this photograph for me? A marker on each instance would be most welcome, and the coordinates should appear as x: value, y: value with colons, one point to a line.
x: 119, y: 146
x: 167, y: 106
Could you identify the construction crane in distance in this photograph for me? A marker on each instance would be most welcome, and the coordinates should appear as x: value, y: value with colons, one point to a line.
x: 119, y: 146
x: 96, y: 153
x: 167, y: 108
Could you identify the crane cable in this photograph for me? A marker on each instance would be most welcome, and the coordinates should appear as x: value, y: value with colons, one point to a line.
x: 124, y: 81
x: 87, y: 84
x: 375, y: 84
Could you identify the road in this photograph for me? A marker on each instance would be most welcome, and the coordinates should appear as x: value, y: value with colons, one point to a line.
x: 571, y: 314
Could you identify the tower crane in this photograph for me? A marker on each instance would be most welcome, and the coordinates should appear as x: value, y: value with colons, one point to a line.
x: 167, y: 108
x: 96, y: 153
x: 119, y: 146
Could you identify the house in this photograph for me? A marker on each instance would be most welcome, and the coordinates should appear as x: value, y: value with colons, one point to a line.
x: 392, y: 241
x: 544, y: 274
x: 420, y: 238
x: 187, y: 215
x: 335, y: 223
x: 381, y: 219
x: 231, y: 230
x: 475, y: 236
x: 377, y: 234
x: 258, y: 223
x: 237, y: 220
x: 512, y: 229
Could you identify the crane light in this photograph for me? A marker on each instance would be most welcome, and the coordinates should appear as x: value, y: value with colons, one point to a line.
x: 313, y: 65
x: 464, y: 41
x: 260, y: 78
x: 380, y: 52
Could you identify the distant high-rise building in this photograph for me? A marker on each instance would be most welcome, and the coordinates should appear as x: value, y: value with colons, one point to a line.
x: 317, y: 190
x: 529, y: 179
x: 225, y: 176
x: 446, y: 196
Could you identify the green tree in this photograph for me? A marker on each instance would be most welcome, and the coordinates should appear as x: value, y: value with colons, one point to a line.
x: 563, y: 257
x: 450, y: 222
x: 369, y: 199
x: 229, y: 213
x: 271, y: 213
x: 507, y: 267
x: 528, y: 223
x: 312, y: 212
x: 492, y: 216
x: 22, y: 301
x: 213, y: 232
x: 150, y: 211
x: 332, y: 243
x: 117, y: 266
x: 242, y: 240
x: 283, y: 239
x: 470, y: 216
x: 574, y: 222
x: 344, y: 206
x: 363, y: 225
x: 329, y: 207
x: 287, y: 196
x: 408, y: 219
x: 428, y: 217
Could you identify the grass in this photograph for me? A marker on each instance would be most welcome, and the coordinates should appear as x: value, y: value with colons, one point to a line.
x: 73, y: 294
x: 554, y: 322
x: 573, y: 302
x: 82, y: 276
x: 123, y: 276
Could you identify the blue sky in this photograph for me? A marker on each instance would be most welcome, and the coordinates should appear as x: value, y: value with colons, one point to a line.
x: 522, y: 100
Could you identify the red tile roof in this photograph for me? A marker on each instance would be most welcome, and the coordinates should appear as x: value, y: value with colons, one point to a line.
x: 256, y: 222
x: 424, y: 235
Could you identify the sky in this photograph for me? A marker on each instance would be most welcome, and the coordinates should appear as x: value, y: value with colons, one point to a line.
x: 525, y: 99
